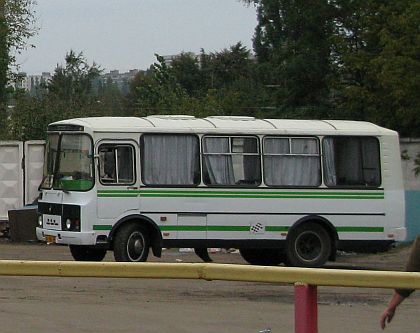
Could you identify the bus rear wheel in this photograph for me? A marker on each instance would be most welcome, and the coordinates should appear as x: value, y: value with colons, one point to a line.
x: 308, y: 246
x: 264, y: 257
x: 87, y: 253
x: 132, y: 243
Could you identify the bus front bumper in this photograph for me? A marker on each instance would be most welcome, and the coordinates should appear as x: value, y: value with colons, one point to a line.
x: 66, y: 237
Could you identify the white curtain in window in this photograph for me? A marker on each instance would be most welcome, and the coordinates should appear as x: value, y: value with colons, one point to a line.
x: 218, y: 167
x: 170, y: 159
x: 291, y: 170
x: 330, y: 176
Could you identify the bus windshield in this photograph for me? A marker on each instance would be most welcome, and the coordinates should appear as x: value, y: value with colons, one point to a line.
x: 68, y: 162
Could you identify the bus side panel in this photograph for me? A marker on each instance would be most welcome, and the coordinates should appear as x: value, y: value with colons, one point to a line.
x: 268, y: 214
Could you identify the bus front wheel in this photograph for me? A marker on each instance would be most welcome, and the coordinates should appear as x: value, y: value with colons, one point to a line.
x: 265, y: 257
x: 132, y: 243
x: 308, y: 246
x: 87, y: 253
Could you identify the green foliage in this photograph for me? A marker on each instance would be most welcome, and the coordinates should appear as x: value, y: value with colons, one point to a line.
x: 292, y: 38
x: 186, y: 70
x: 4, y: 57
x: 20, y: 21
x: 75, y: 79
x: 221, y: 83
x: 378, y: 49
x: 69, y: 94
x: 356, y: 59
x: 17, y: 19
x: 160, y: 92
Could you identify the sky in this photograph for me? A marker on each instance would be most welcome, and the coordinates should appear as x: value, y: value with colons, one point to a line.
x: 125, y: 34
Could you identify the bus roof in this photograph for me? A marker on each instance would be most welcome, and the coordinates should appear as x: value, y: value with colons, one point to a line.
x: 219, y: 124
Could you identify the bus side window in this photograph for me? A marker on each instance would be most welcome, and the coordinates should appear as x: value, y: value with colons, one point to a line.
x: 292, y: 161
x: 116, y: 165
x: 351, y: 161
x: 231, y: 161
x: 170, y: 159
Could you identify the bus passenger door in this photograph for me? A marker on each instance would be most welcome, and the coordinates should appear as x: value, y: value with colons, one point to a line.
x: 117, y: 180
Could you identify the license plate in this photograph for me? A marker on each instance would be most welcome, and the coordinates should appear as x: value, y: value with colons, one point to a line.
x: 50, y: 239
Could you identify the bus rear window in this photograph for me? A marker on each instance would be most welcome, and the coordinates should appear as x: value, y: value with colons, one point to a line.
x: 351, y: 161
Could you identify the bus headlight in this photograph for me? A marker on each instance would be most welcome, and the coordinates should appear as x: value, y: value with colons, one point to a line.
x: 40, y: 221
x: 72, y: 224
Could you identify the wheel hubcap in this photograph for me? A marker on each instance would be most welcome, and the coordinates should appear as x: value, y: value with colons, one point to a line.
x: 308, y: 246
x: 135, y: 246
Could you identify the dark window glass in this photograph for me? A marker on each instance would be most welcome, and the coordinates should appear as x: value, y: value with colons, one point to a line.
x: 116, y: 164
x: 351, y: 161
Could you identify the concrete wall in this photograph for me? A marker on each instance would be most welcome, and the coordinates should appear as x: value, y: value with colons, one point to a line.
x: 409, y: 149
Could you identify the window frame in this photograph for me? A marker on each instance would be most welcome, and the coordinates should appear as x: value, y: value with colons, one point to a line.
x: 359, y: 187
x: 56, y: 161
x: 198, y: 157
x: 115, y: 145
x: 230, y: 137
x: 290, y: 138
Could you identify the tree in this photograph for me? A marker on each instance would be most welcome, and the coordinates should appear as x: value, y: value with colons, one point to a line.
x: 69, y: 94
x: 159, y: 91
x: 291, y: 43
x: 4, y: 55
x: 29, y: 118
x: 16, y: 27
x: 377, y: 48
x: 186, y: 69
x: 222, y: 69
x: 110, y: 98
x: 75, y: 79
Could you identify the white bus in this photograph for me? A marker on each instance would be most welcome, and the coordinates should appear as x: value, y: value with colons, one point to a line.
x: 292, y: 191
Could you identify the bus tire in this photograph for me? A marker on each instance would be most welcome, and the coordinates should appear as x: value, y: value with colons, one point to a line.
x: 309, y: 245
x: 132, y: 243
x: 87, y: 253
x: 264, y: 257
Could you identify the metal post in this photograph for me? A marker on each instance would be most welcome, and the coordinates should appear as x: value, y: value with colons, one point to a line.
x: 306, y: 308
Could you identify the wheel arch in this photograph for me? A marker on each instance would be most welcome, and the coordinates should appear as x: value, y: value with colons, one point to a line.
x: 154, y: 231
x: 323, y: 222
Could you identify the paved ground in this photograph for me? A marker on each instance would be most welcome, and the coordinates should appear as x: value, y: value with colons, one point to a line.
x: 44, y: 304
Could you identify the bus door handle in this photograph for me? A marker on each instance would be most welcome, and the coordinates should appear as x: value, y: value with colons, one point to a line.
x: 132, y: 188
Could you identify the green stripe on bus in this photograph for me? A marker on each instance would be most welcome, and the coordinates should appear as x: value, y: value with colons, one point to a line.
x: 102, y: 227
x: 239, y: 194
x: 203, y: 228
x: 276, y: 228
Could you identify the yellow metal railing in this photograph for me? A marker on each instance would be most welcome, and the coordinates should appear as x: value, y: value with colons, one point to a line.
x: 317, y: 277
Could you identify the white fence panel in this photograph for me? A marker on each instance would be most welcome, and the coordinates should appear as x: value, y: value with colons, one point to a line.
x: 34, y: 162
x: 11, y: 176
